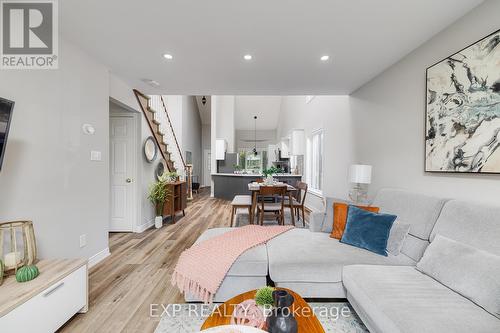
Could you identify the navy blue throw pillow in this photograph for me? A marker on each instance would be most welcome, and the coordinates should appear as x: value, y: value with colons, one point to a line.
x: 368, y: 230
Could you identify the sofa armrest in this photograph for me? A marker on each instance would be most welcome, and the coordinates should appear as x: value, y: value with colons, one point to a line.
x: 316, y: 221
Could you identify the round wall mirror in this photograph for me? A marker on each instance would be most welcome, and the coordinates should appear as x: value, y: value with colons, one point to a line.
x: 150, y: 149
x: 160, y: 169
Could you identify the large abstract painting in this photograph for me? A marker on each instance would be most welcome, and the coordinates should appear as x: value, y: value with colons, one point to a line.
x: 463, y: 110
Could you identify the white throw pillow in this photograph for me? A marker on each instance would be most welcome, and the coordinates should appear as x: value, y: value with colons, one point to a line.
x: 473, y: 273
x: 328, y: 219
x: 397, y: 237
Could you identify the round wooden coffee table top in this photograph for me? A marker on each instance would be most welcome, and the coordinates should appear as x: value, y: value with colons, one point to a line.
x: 306, y: 319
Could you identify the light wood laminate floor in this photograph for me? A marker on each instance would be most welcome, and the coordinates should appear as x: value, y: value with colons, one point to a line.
x: 137, y: 274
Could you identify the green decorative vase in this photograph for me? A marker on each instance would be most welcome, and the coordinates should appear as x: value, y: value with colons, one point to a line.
x: 27, y: 273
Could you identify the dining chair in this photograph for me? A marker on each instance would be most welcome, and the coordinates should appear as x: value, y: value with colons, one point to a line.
x: 298, y: 203
x: 277, y: 209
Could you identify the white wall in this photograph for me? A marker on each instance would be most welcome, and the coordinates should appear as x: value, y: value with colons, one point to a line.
x: 173, y: 104
x: 192, y: 132
x: 244, y: 138
x: 331, y: 113
x: 206, y: 141
x: 225, y: 120
x: 389, y: 116
x: 47, y: 175
x: 122, y: 94
x: 206, y: 136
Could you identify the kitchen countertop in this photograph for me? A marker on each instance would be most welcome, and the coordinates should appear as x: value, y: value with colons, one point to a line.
x: 253, y: 175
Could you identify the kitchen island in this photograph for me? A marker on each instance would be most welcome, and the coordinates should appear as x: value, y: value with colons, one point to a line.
x: 227, y: 185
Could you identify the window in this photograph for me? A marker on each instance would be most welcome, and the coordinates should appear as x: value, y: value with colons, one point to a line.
x: 316, y: 161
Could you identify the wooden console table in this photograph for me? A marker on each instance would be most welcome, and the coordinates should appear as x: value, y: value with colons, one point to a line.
x: 177, y: 202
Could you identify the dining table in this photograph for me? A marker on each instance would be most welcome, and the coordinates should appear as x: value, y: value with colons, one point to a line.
x: 254, y: 188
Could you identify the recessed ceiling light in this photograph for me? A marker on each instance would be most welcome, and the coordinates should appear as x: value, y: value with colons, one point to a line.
x: 168, y: 56
x: 325, y: 58
x: 247, y: 57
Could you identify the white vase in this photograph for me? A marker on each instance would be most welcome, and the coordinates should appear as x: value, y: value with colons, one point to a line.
x: 158, y: 222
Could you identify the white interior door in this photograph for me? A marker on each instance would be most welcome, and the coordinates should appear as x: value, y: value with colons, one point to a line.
x: 207, y: 167
x: 122, y: 169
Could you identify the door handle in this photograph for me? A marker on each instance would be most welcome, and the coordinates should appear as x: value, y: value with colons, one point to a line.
x: 129, y: 180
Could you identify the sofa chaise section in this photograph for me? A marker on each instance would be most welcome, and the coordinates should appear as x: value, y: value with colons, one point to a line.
x: 402, y: 299
x: 311, y: 263
x: 248, y: 272
x: 392, y: 299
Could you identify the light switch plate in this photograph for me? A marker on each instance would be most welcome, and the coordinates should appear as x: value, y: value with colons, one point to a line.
x: 95, y: 155
x: 83, y: 240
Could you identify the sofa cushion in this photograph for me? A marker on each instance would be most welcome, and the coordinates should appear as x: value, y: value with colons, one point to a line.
x: 340, y: 217
x: 473, y: 224
x: 418, y: 210
x: 473, y: 273
x: 327, y: 225
x: 401, y: 299
x: 397, y: 237
x: 302, y: 256
x: 251, y: 263
x: 368, y: 230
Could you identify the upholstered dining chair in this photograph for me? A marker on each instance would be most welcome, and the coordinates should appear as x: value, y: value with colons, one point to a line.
x: 241, y: 201
x: 275, y: 210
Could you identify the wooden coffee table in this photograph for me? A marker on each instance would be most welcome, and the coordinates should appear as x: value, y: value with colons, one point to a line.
x: 306, y: 320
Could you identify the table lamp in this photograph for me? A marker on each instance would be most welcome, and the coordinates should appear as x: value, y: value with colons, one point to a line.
x: 360, y: 175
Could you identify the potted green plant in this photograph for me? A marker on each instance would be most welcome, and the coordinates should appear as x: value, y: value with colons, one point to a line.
x: 271, y: 171
x: 237, y: 168
x: 158, y: 194
x: 264, y: 299
x: 170, y: 176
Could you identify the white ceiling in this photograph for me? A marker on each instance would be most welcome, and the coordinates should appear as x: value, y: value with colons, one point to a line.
x: 286, y: 38
x: 266, y: 108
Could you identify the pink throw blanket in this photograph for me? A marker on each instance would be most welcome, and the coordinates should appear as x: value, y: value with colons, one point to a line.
x: 202, y: 268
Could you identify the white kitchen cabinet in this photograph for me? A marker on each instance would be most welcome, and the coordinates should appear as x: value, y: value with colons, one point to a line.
x: 220, y: 149
x: 285, y: 147
x: 271, y: 155
x: 297, y: 142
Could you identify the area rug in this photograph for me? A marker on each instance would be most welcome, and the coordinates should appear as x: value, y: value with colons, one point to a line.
x: 188, y: 318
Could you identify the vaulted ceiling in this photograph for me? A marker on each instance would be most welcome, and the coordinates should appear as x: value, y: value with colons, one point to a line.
x: 266, y: 108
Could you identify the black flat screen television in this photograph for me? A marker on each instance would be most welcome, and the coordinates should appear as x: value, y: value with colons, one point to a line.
x: 6, y: 108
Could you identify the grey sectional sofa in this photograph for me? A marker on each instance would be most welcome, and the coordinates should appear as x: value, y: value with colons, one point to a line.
x: 388, y: 293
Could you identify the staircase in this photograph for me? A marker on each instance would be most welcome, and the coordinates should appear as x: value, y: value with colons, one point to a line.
x: 155, y: 111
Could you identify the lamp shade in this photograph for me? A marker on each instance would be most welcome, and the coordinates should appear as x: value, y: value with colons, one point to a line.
x: 360, y: 174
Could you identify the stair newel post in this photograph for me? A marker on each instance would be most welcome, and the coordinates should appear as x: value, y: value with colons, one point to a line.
x: 189, y: 179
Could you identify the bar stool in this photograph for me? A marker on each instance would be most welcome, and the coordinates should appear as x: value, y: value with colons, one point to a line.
x: 241, y: 201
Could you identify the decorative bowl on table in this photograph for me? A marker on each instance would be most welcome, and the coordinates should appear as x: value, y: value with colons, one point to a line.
x: 233, y: 329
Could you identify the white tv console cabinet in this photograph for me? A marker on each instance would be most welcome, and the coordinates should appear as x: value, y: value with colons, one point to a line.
x: 47, y: 302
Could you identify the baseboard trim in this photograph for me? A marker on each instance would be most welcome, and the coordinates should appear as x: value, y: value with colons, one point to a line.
x: 145, y: 226
x: 98, y: 257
